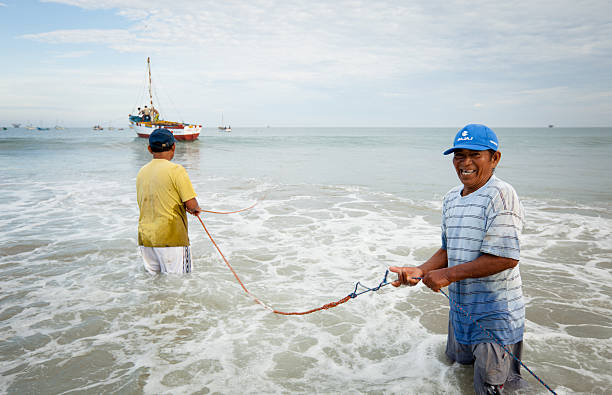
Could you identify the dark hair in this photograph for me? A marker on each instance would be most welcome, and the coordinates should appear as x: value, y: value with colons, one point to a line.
x: 160, y: 148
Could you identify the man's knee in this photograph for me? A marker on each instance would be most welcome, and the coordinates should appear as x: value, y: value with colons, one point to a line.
x: 492, y: 363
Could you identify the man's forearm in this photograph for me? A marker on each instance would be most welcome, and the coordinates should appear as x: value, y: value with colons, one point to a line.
x: 483, y: 266
x: 192, y: 206
x: 438, y: 260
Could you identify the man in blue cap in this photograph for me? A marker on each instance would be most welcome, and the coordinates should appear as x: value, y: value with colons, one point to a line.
x: 165, y: 194
x: 482, y: 220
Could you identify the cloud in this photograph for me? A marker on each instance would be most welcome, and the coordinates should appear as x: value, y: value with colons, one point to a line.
x: 355, y: 38
x: 95, y: 5
x: 73, y: 54
x: 81, y: 36
x: 385, y: 53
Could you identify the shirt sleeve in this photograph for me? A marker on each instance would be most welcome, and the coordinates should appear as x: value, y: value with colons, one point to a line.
x: 504, y: 223
x: 183, y: 184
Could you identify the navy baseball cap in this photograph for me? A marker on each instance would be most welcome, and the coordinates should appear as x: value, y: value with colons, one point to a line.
x: 161, y: 139
x: 475, y: 137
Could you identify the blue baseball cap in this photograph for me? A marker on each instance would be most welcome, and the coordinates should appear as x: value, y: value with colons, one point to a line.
x: 161, y: 139
x: 475, y: 137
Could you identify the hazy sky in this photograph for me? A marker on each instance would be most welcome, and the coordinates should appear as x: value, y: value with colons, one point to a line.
x: 309, y: 63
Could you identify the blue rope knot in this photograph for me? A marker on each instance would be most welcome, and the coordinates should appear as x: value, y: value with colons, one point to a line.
x: 384, y: 282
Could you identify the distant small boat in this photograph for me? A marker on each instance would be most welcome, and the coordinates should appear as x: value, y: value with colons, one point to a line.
x: 224, y: 128
x: 98, y: 127
x: 40, y: 128
x: 30, y: 127
x: 16, y: 125
x: 551, y: 126
x: 57, y: 127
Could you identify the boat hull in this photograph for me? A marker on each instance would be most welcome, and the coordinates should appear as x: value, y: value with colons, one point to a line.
x: 181, y: 131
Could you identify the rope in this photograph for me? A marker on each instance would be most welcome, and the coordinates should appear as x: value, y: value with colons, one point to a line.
x: 230, y: 212
x: 348, y: 297
x: 493, y: 337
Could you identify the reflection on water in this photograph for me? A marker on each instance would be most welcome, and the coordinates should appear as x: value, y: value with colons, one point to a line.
x: 187, y: 153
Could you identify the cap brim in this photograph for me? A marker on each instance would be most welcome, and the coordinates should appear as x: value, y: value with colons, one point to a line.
x: 473, y: 147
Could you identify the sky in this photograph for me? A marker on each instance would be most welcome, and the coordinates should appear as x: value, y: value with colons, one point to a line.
x: 308, y: 63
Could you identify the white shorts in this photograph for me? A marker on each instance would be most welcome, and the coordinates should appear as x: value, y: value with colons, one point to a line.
x: 166, y: 259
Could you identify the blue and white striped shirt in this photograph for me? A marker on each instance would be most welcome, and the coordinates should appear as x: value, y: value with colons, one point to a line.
x: 487, y: 221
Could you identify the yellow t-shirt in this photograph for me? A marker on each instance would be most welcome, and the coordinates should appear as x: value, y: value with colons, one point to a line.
x: 161, y: 188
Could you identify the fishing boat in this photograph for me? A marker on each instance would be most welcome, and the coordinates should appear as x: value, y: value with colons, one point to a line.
x: 41, y: 128
x: 98, y: 127
x: 145, y: 125
x: 224, y: 128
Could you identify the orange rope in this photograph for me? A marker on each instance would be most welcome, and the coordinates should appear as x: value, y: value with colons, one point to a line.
x: 230, y: 212
x: 324, y: 307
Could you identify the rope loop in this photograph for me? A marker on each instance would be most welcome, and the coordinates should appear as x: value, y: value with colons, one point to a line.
x: 352, y: 295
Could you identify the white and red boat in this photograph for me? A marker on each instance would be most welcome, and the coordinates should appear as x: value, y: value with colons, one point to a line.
x: 181, y: 131
x: 144, y: 126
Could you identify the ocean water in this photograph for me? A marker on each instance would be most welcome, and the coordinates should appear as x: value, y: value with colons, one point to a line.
x: 78, y: 313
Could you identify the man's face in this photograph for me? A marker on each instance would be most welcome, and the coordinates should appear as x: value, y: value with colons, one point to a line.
x: 474, y: 168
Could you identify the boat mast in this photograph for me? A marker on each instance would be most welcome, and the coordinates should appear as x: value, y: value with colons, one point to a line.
x: 150, y: 92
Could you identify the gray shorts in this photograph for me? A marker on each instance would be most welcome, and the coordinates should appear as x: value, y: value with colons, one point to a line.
x: 492, y: 365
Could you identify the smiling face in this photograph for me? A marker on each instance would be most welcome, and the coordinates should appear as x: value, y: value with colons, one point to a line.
x: 474, y: 168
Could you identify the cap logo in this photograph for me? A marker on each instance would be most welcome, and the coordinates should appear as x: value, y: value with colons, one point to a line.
x: 465, y: 137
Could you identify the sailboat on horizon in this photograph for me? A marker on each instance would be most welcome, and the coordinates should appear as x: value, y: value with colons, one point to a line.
x: 224, y: 128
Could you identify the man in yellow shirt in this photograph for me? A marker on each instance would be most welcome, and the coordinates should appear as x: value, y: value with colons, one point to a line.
x: 164, y: 194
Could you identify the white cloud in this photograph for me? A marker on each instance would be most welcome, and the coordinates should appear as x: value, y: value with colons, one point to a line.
x: 81, y: 36
x: 357, y: 38
x: 496, y: 53
x: 73, y: 54
x: 94, y: 5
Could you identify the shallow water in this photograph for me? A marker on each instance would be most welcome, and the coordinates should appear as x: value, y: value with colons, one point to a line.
x: 78, y: 314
